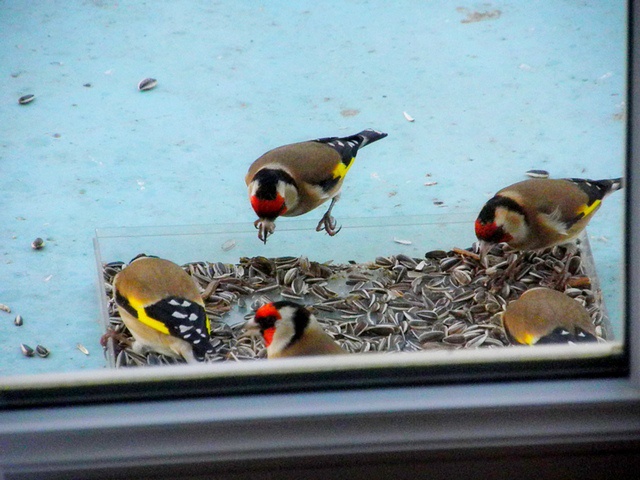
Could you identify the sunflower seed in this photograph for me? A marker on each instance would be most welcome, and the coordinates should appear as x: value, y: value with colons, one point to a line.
x: 121, y: 359
x: 26, y: 99
x: 18, y: 320
x: 435, y: 255
x: 147, y: 84
x: 477, y: 341
x: 37, y: 244
x: 455, y: 339
x: 27, y: 351
x: 448, y: 263
x: 153, y: 359
x: 42, y: 351
x: 298, y: 286
x: 537, y: 174
x: 290, y: 295
x: 402, y: 242
x: 431, y: 336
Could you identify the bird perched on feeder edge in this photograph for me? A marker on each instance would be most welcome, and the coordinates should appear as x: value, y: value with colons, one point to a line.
x: 163, y: 309
x: 540, y: 212
x: 290, y: 330
x: 294, y: 179
x: 542, y: 315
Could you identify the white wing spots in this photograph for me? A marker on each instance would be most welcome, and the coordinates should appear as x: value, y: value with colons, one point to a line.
x: 203, y: 335
x: 174, y: 302
x: 195, y: 342
x: 581, y: 334
x: 199, y: 330
x: 193, y: 317
x: 186, y: 304
x: 184, y: 328
x: 351, y: 144
x: 340, y: 144
x: 564, y: 332
x: 186, y: 336
x: 179, y: 315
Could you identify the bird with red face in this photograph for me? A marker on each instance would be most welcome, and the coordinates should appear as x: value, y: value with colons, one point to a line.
x: 294, y: 179
x: 540, y: 212
x: 290, y: 330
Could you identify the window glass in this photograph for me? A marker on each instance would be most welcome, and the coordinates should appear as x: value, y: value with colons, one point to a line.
x: 130, y: 130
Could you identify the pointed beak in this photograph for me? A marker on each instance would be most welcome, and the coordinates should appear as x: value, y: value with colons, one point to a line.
x: 251, y: 326
x: 483, y: 250
x: 265, y: 228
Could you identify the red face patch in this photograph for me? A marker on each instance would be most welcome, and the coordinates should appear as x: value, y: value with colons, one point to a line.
x: 484, y: 231
x: 268, y: 335
x: 268, y: 310
x: 268, y: 208
x: 490, y: 232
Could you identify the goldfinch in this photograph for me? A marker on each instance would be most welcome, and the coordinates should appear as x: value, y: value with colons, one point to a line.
x: 162, y: 308
x: 290, y: 330
x: 540, y: 212
x: 542, y: 315
x: 294, y: 179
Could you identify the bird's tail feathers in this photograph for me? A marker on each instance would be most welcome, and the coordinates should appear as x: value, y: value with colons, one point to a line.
x: 615, y: 184
x: 598, y: 189
x: 610, y: 185
x: 367, y: 136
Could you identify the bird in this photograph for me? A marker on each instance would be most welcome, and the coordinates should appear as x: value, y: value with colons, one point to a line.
x: 163, y: 309
x: 543, y: 315
x: 539, y: 213
x: 290, y: 330
x: 294, y: 179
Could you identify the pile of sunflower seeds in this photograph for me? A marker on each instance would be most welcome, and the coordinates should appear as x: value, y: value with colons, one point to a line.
x: 446, y: 300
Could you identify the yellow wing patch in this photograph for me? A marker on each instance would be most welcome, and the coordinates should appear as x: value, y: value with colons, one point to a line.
x: 587, y: 210
x: 342, y: 169
x: 146, y: 319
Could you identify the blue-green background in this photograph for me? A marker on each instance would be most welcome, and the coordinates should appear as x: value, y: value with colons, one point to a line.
x: 533, y: 84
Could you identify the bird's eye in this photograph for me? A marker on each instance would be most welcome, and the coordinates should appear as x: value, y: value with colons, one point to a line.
x: 266, y: 322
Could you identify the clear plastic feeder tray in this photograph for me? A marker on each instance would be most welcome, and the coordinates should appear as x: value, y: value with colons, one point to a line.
x: 359, y: 241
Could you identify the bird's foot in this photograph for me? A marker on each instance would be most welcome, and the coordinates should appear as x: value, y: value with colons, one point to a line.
x: 328, y: 224
x: 120, y: 340
x: 265, y: 228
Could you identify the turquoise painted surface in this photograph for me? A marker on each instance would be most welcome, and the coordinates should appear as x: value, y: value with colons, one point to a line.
x: 495, y: 89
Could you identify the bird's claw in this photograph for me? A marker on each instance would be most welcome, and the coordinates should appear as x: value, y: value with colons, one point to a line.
x: 265, y: 228
x: 120, y: 340
x: 328, y: 224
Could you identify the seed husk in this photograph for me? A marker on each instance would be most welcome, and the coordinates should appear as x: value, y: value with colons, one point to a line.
x: 147, y: 84
x: 42, y: 351
x: 27, y: 351
x: 18, y: 321
x: 537, y: 174
x: 37, y: 244
x: 228, y: 245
